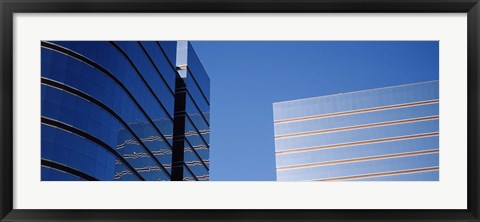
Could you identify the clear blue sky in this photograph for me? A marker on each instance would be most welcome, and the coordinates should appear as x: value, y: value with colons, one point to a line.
x: 248, y: 76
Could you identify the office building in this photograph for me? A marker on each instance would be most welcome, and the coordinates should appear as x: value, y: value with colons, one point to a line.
x: 110, y: 111
x: 385, y: 134
x: 192, y: 112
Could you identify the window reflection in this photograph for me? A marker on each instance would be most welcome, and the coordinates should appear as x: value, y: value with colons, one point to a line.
x: 120, y: 94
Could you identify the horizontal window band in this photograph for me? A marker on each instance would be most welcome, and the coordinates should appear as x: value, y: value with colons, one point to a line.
x: 203, y: 177
x: 67, y: 169
x: 361, y: 159
x: 71, y: 129
x: 91, y: 99
x: 339, y: 145
x: 119, y: 175
x: 427, y: 169
x: 387, y: 123
x: 195, y: 133
x: 356, y: 111
x: 148, y: 169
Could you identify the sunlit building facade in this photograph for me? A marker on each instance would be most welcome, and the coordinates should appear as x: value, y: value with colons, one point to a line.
x: 109, y: 111
x: 385, y: 134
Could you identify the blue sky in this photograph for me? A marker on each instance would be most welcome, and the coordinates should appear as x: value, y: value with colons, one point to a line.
x: 248, y: 76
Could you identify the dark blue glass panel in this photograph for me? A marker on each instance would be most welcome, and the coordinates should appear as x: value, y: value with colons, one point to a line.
x: 98, y: 85
x: 122, y: 173
x: 198, y: 72
x: 149, y: 73
x: 198, y: 120
x: 49, y: 174
x: 76, y: 152
x: 196, y: 95
x: 83, y: 115
x: 196, y: 141
x: 166, y: 68
x: 170, y: 49
x: 107, y: 56
x: 194, y: 163
x: 201, y: 150
x: 187, y: 176
x: 129, y: 107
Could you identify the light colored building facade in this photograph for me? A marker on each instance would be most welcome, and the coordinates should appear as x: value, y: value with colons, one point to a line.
x: 385, y: 134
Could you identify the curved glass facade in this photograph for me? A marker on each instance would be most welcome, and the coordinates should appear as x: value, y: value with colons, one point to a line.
x: 108, y: 111
x: 381, y: 134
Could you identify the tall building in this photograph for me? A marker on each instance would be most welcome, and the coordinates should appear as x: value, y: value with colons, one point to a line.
x: 385, y: 134
x: 192, y: 112
x: 110, y: 111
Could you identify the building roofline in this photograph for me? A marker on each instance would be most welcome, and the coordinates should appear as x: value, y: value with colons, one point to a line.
x: 343, y: 93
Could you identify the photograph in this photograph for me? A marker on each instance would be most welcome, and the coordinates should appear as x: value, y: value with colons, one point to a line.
x: 196, y: 110
x: 277, y: 110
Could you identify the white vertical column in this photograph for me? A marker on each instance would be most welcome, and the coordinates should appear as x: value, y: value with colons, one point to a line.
x: 182, y: 52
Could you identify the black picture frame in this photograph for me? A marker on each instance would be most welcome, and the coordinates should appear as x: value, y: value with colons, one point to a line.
x: 9, y: 7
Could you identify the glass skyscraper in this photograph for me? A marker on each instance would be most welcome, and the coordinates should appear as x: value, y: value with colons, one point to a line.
x: 123, y: 110
x: 385, y: 134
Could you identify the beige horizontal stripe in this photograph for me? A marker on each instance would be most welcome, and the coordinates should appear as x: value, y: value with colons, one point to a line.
x: 338, y: 145
x: 357, y: 159
x: 357, y: 127
x: 381, y: 174
x: 356, y: 111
